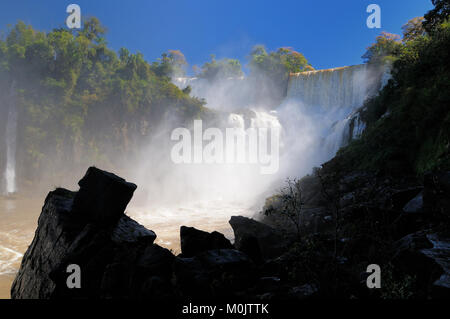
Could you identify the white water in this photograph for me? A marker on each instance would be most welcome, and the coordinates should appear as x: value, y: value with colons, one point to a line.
x: 11, y: 139
x: 315, y: 117
x: 330, y: 99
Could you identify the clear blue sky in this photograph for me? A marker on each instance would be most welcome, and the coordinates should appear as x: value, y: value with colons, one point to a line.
x: 329, y: 33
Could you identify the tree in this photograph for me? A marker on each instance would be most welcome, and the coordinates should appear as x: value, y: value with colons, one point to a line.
x: 221, y: 69
x: 436, y: 16
x: 413, y: 29
x: 290, y: 205
x: 386, y: 48
x: 172, y: 63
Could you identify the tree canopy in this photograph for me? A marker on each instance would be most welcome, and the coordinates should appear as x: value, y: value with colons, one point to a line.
x: 79, y: 101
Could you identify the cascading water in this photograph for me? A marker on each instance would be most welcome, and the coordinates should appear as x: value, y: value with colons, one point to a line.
x: 11, y: 139
x: 332, y: 97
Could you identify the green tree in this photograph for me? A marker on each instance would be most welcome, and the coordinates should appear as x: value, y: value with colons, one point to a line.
x: 438, y: 15
x: 223, y: 68
x: 386, y: 48
x: 413, y: 29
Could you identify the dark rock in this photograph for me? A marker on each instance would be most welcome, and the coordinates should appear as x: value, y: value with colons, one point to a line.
x: 427, y: 258
x: 214, y: 273
x: 116, y: 255
x: 415, y: 205
x: 194, y: 241
x: 303, y: 292
x: 248, y: 231
x: 127, y: 230
x: 191, y: 278
x: 103, y: 196
x: 250, y: 246
x: 436, y: 194
x: 400, y: 198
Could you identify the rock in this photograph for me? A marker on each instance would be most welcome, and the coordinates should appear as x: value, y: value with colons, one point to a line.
x: 415, y: 205
x: 103, y: 196
x: 194, y: 241
x: 214, y: 273
x: 400, y: 198
x: 250, y: 246
x: 440, y: 253
x: 271, y: 244
x: 127, y: 230
x: 303, y: 292
x: 191, y: 278
x: 436, y: 194
x: 225, y: 259
x: 427, y: 257
x: 116, y: 255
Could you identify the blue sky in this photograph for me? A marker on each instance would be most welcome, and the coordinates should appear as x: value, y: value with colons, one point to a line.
x: 329, y: 33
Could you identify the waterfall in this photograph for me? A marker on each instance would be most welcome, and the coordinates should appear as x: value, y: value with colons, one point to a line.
x: 333, y: 97
x: 319, y: 115
x: 344, y: 87
x: 11, y: 137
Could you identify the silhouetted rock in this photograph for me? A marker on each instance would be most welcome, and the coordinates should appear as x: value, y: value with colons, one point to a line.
x: 248, y: 231
x: 116, y: 255
x: 194, y: 241
x: 103, y: 196
x: 436, y: 195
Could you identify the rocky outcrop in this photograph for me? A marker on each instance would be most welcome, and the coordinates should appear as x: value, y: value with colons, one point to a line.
x: 194, y: 241
x: 258, y: 240
x: 117, y: 257
x: 89, y: 228
x: 426, y: 256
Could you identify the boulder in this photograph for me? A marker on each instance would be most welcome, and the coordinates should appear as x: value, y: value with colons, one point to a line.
x: 214, y: 273
x: 436, y: 194
x: 194, y: 241
x: 426, y: 256
x: 103, y: 196
x: 415, y: 205
x: 257, y: 239
x: 115, y: 254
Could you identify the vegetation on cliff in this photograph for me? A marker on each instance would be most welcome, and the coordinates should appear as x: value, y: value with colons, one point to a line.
x: 408, y: 123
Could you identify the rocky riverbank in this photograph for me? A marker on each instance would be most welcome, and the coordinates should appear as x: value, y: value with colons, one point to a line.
x: 349, y: 222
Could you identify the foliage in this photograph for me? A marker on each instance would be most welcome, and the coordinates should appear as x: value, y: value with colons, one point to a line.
x: 438, y: 15
x: 413, y: 29
x: 409, y: 121
x: 78, y: 99
x: 277, y: 64
x: 272, y: 69
x: 290, y: 204
x: 172, y: 63
x: 385, y: 49
x: 224, y: 68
